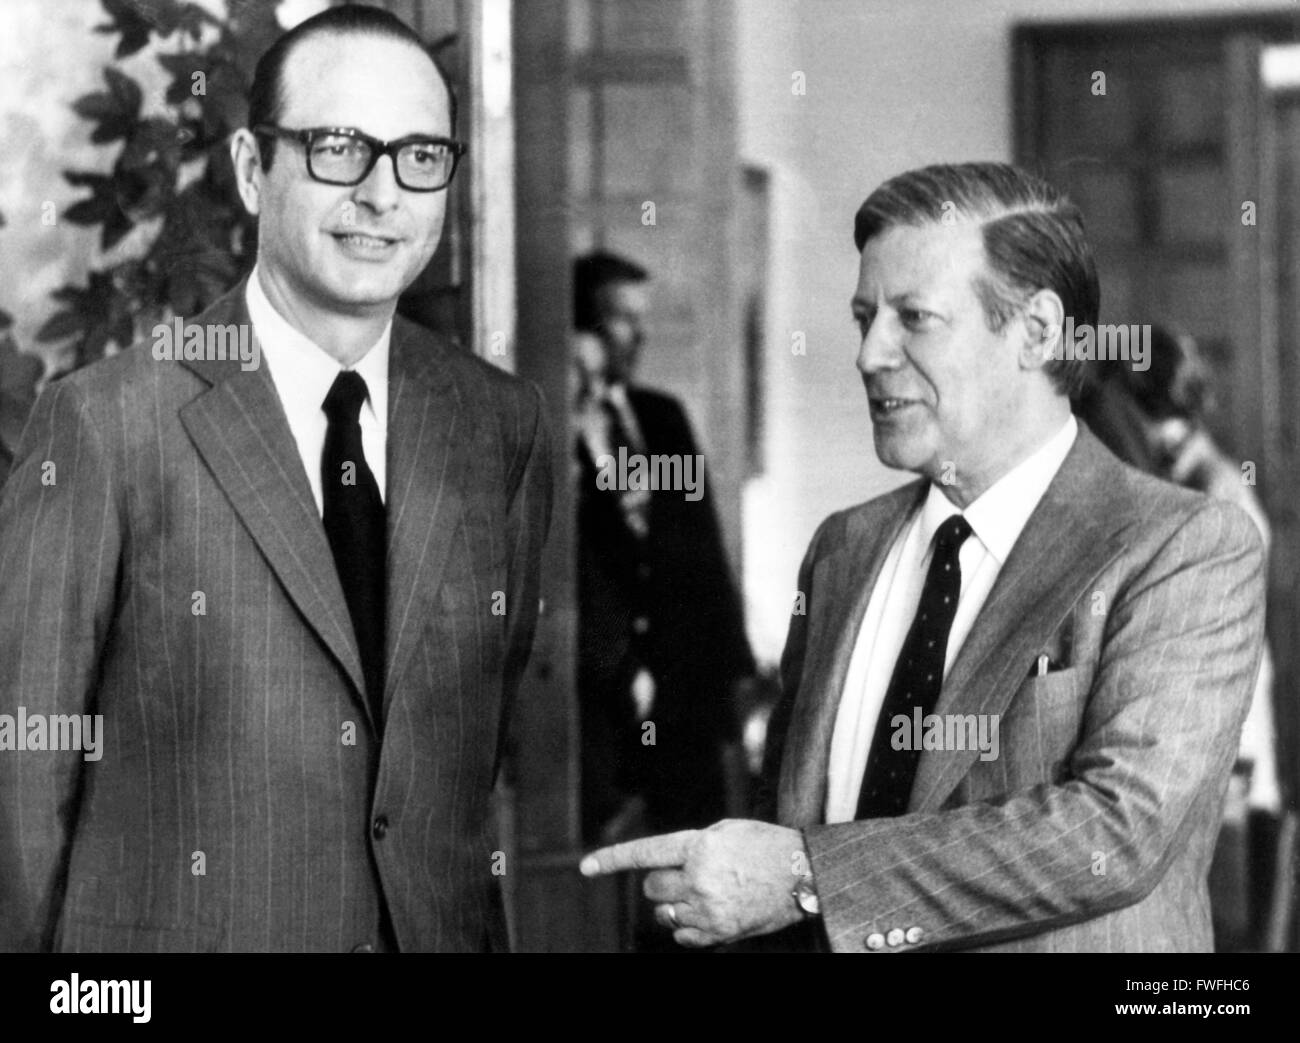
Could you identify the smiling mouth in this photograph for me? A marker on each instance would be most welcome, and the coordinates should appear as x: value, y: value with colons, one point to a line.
x: 887, y: 406
x: 361, y: 239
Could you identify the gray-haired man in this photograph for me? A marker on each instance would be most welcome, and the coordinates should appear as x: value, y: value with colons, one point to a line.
x: 1106, y: 627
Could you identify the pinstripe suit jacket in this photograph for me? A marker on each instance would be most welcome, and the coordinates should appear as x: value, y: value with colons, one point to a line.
x: 176, y: 578
x: 1093, y: 828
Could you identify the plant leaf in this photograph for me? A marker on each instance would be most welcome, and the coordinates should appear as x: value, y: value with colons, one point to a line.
x: 127, y: 20
x: 62, y: 324
x: 101, y: 203
x: 116, y: 227
x: 115, y: 110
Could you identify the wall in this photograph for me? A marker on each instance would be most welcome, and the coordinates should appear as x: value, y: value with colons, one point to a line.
x: 890, y: 85
x: 48, y: 58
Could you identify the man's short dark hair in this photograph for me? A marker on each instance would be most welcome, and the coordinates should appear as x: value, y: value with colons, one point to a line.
x: 266, y: 99
x: 591, y: 273
x: 1033, y: 237
x: 1174, y: 384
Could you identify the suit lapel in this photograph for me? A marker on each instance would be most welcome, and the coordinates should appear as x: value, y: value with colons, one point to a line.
x: 1069, y: 539
x: 842, y: 581
x: 427, y: 457
x: 240, y: 431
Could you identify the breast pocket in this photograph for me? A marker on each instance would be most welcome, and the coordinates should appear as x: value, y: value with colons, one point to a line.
x: 1042, y: 725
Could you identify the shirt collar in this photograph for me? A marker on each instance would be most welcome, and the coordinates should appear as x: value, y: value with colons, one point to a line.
x: 302, y: 371
x: 998, y: 515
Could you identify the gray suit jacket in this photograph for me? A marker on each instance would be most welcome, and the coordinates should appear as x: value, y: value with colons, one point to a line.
x: 174, y: 576
x: 1093, y: 828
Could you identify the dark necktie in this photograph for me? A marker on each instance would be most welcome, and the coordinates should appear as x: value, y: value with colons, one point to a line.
x: 918, y: 676
x: 620, y: 432
x: 355, y: 527
x: 635, y: 503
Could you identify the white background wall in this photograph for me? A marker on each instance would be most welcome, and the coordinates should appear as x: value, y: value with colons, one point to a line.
x: 890, y: 85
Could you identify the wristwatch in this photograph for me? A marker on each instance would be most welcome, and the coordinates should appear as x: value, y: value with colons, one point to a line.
x: 805, y: 897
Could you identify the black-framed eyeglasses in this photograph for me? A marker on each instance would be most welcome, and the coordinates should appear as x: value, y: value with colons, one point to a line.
x: 345, y: 156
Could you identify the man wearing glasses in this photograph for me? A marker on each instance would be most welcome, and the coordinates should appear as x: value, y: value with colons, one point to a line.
x: 294, y: 601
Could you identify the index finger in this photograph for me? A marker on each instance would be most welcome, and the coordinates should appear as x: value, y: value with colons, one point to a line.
x: 662, y: 852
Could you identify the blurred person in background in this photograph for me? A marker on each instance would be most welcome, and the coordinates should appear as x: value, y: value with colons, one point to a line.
x: 661, y: 640
x: 1154, y: 419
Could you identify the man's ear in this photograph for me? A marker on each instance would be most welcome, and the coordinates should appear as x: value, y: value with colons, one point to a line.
x: 1044, y: 319
x: 247, y: 161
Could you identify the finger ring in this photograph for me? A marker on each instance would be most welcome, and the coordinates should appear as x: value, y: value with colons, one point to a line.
x: 671, y: 913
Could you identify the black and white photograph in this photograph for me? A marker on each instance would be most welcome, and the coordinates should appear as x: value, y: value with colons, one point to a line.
x: 651, y: 477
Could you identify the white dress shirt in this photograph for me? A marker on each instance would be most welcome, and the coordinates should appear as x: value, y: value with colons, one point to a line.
x: 996, y: 519
x: 594, y: 423
x: 303, y: 375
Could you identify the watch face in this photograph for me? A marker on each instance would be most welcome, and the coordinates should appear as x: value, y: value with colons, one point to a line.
x: 807, y: 897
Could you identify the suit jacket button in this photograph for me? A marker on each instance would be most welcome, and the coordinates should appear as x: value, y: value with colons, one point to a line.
x: 875, y: 941
x: 380, y: 828
x: 895, y: 938
x: 363, y: 947
x: 914, y: 935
